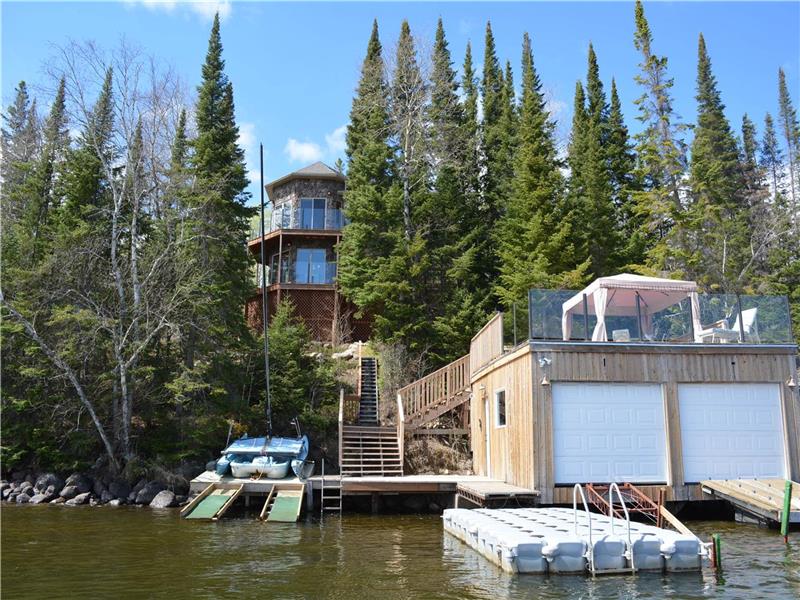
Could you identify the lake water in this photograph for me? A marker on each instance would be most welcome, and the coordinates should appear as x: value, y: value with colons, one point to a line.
x: 103, y: 552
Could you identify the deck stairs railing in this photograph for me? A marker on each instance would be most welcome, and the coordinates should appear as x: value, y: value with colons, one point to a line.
x: 429, y: 398
x: 635, y: 501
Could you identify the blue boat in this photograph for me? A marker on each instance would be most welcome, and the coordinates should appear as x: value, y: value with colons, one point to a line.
x: 263, y: 455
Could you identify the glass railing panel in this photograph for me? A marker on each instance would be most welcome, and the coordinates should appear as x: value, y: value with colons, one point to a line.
x: 672, y: 324
x: 766, y: 320
x: 515, y: 325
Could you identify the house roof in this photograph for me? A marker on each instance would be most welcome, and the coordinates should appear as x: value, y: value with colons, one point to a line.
x: 317, y: 170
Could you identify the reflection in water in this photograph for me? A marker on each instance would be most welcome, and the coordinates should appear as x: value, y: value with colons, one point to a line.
x: 131, y: 552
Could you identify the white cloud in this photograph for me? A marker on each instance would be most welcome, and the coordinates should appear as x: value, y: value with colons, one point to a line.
x: 247, y: 136
x: 205, y: 9
x: 302, y: 151
x: 336, y: 140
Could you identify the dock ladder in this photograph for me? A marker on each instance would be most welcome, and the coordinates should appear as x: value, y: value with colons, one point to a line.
x: 578, y: 489
x: 330, y: 493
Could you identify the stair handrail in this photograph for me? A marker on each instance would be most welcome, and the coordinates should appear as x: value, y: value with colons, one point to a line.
x: 611, y: 489
x: 579, y: 488
x: 444, y: 383
x: 401, y: 430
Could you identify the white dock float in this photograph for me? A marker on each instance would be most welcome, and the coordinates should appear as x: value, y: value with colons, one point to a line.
x: 563, y: 540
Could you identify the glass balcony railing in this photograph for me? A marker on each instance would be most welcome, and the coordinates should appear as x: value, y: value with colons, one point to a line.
x: 330, y: 219
x: 306, y: 272
x: 722, y: 319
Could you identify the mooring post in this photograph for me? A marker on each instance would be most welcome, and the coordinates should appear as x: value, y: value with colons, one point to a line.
x: 309, y: 496
x: 717, y: 553
x: 787, y: 508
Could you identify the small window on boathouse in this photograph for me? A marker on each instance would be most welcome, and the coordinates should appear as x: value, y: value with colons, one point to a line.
x: 500, y: 408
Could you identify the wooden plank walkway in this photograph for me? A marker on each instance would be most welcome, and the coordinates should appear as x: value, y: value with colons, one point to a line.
x: 762, y: 498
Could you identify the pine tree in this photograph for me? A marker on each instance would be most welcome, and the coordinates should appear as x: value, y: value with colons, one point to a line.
x: 622, y: 164
x: 771, y: 157
x: 595, y: 197
x: 752, y: 175
x: 494, y: 131
x: 218, y: 219
x: 790, y: 128
x: 718, y: 215
x: 369, y: 236
x: 660, y: 149
x: 20, y: 141
x: 534, y: 235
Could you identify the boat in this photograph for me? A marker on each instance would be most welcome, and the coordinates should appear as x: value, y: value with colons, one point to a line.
x: 270, y: 457
x: 303, y: 469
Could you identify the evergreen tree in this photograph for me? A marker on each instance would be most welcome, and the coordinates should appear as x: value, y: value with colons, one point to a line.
x: 534, y: 235
x: 368, y: 237
x: 752, y: 175
x: 790, y: 128
x: 595, y: 193
x: 660, y: 149
x: 771, y: 157
x: 718, y: 216
x: 19, y: 147
x: 622, y: 164
x: 494, y: 131
x: 218, y: 219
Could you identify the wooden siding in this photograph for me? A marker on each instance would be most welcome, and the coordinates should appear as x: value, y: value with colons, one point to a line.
x: 522, y: 453
x: 487, y: 343
x: 510, y: 455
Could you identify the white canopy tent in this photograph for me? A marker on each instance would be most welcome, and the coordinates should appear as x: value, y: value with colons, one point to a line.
x: 617, y: 296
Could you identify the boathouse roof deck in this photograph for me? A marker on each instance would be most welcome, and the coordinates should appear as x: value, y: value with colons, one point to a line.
x: 647, y: 314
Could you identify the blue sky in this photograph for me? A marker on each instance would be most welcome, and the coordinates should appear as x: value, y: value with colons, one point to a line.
x: 294, y: 65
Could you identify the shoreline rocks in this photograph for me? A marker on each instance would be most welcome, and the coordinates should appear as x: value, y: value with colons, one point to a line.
x: 94, y: 489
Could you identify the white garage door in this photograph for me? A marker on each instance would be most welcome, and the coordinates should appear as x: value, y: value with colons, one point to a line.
x: 731, y: 431
x: 604, y: 432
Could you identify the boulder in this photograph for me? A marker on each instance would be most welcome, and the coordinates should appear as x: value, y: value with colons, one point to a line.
x: 139, y: 485
x: 80, y: 481
x: 79, y: 499
x: 4, y: 486
x: 148, y: 492
x: 7, y: 492
x: 116, y: 502
x: 23, y: 498
x: 163, y: 499
x: 48, y: 480
x: 58, y: 500
x: 119, y: 488
x: 69, y: 492
x: 106, y: 497
x: 42, y: 498
x: 98, y: 488
x: 13, y: 497
x: 26, y: 488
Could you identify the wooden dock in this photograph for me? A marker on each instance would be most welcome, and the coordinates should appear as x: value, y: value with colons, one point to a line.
x: 761, y: 499
x: 479, y: 490
x: 491, y: 492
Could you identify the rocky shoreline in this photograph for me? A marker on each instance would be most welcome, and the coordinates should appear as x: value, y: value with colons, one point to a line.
x: 94, y: 490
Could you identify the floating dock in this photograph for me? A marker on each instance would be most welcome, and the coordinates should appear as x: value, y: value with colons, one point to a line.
x: 566, y: 541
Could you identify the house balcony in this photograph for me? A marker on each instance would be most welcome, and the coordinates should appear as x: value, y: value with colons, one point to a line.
x: 330, y: 220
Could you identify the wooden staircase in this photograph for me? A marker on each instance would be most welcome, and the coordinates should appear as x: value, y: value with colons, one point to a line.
x: 369, y: 450
x: 427, y: 399
x: 368, y: 407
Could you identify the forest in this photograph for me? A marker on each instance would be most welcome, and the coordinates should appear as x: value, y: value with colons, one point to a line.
x: 125, y: 216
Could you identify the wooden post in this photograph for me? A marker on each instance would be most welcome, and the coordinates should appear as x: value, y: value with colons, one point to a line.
x: 787, y: 507
x: 585, y: 318
x: 716, y: 541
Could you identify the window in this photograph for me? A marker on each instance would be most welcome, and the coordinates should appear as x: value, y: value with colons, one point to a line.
x: 500, y: 408
x: 312, y: 266
x: 312, y: 213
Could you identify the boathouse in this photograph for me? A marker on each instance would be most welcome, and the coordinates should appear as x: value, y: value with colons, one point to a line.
x: 636, y: 379
x: 300, y: 239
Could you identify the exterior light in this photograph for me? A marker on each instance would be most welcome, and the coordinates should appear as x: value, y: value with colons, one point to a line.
x: 791, y: 382
x: 545, y: 380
